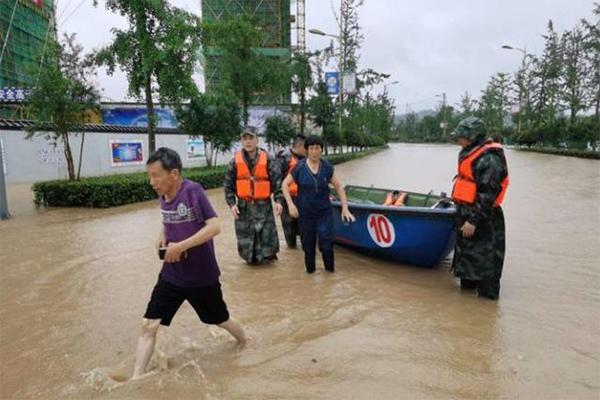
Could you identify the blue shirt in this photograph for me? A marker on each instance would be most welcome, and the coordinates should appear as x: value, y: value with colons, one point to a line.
x: 313, y: 189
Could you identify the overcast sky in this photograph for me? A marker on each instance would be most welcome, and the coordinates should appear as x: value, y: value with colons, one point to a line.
x: 430, y: 47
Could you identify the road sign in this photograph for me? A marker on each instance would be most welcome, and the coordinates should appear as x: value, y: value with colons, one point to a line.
x: 381, y: 230
x: 332, y: 80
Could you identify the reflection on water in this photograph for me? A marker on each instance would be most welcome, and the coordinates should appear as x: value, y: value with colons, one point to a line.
x: 74, y: 284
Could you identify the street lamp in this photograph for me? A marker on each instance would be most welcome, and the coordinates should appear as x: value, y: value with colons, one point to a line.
x: 389, y: 84
x: 341, y: 72
x: 524, y: 51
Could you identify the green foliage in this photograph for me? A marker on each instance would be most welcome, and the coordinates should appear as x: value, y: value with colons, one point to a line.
x: 279, y: 130
x: 323, y: 113
x: 157, y: 50
x: 62, y: 95
x: 113, y: 190
x: 301, y: 75
x: 216, y: 117
x: 234, y: 43
x: 116, y: 190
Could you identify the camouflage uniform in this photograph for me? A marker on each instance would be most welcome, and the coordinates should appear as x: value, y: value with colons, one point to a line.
x: 478, y: 260
x: 255, y: 227
x: 289, y: 224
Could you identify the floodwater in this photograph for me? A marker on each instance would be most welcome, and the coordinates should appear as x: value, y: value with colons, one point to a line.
x: 74, y: 284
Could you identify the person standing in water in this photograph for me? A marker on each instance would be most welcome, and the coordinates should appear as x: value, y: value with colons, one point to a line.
x: 313, y: 176
x: 190, y: 270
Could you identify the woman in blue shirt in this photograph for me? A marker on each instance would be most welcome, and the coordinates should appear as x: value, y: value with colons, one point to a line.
x: 313, y: 176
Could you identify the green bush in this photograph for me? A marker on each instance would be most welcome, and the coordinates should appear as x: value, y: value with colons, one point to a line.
x: 113, y: 190
x: 117, y: 190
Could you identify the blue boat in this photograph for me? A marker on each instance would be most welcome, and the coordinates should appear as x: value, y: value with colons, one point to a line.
x: 421, y: 233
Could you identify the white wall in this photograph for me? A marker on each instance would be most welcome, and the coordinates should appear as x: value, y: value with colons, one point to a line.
x: 38, y: 160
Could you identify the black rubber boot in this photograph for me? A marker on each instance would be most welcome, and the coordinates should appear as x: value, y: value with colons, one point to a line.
x: 489, y: 289
x: 468, y: 284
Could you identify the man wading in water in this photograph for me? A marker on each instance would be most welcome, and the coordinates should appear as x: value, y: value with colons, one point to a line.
x: 190, y: 271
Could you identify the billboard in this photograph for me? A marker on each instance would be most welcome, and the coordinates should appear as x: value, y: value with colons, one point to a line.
x: 132, y: 116
x: 126, y: 152
x: 195, y: 148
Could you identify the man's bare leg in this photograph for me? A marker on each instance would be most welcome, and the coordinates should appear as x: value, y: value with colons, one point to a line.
x: 235, y: 329
x: 145, y: 346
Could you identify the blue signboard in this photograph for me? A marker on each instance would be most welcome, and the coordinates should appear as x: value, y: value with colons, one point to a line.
x: 332, y: 80
x: 13, y: 95
x: 138, y: 117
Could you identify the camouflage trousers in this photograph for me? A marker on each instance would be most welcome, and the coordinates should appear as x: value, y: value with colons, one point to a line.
x: 481, y: 257
x: 290, y: 226
x: 256, y: 231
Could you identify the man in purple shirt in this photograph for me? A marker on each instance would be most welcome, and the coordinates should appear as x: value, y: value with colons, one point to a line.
x: 190, y: 271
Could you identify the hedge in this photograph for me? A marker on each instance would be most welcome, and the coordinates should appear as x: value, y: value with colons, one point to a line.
x: 562, y: 152
x: 116, y: 190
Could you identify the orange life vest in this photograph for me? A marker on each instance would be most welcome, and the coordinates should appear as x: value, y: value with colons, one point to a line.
x: 399, y: 201
x: 255, y: 185
x: 465, y: 188
x: 293, y: 186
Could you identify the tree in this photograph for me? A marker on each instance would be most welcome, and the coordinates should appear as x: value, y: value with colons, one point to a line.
x: 323, y: 114
x: 301, y: 72
x: 62, y: 95
x: 158, y: 52
x: 494, y: 102
x: 216, y: 117
x: 547, y: 73
x: 592, y: 56
x: 279, y: 130
x: 233, y: 43
x: 574, y: 71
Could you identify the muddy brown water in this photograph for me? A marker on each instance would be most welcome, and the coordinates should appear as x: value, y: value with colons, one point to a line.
x: 74, y: 284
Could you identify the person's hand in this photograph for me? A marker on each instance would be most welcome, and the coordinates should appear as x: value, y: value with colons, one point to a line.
x: 347, y: 215
x: 174, y: 251
x: 467, y: 229
x: 293, y: 211
x: 161, y: 241
x: 235, y: 211
x: 278, y: 209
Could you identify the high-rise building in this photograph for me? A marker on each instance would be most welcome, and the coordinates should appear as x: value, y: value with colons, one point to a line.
x: 25, y: 27
x: 272, y: 17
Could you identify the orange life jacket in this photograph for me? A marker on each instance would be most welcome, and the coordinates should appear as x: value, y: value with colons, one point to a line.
x: 255, y: 185
x: 399, y: 201
x: 465, y: 188
x: 293, y: 186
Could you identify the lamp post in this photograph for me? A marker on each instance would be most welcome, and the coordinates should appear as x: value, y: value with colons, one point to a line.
x: 524, y: 51
x: 389, y: 84
x: 341, y: 72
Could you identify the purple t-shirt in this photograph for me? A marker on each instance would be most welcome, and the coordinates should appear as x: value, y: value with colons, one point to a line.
x: 183, y: 216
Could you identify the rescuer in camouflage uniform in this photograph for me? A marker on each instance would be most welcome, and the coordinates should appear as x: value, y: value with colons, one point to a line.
x: 289, y: 224
x: 480, y: 239
x: 254, y: 220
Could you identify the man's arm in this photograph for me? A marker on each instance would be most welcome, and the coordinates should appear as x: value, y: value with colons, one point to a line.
x: 210, y: 229
x: 229, y: 184
x: 339, y: 189
x: 275, y: 179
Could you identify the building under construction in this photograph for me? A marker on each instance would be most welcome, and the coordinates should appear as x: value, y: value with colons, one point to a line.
x: 25, y: 26
x: 272, y: 17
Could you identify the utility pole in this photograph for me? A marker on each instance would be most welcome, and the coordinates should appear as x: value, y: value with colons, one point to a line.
x: 444, y: 114
x: 341, y: 68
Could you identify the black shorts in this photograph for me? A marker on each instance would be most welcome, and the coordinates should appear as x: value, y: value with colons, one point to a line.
x: 206, y: 300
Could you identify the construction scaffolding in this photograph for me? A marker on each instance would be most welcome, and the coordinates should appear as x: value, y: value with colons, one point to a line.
x: 25, y: 26
x: 271, y: 16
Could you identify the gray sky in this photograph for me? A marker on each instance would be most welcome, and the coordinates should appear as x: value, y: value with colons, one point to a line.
x: 430, y: 47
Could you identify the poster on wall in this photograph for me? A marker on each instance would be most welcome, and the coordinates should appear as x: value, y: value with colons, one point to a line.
x: 195, y: 148
x: 126, y: 152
